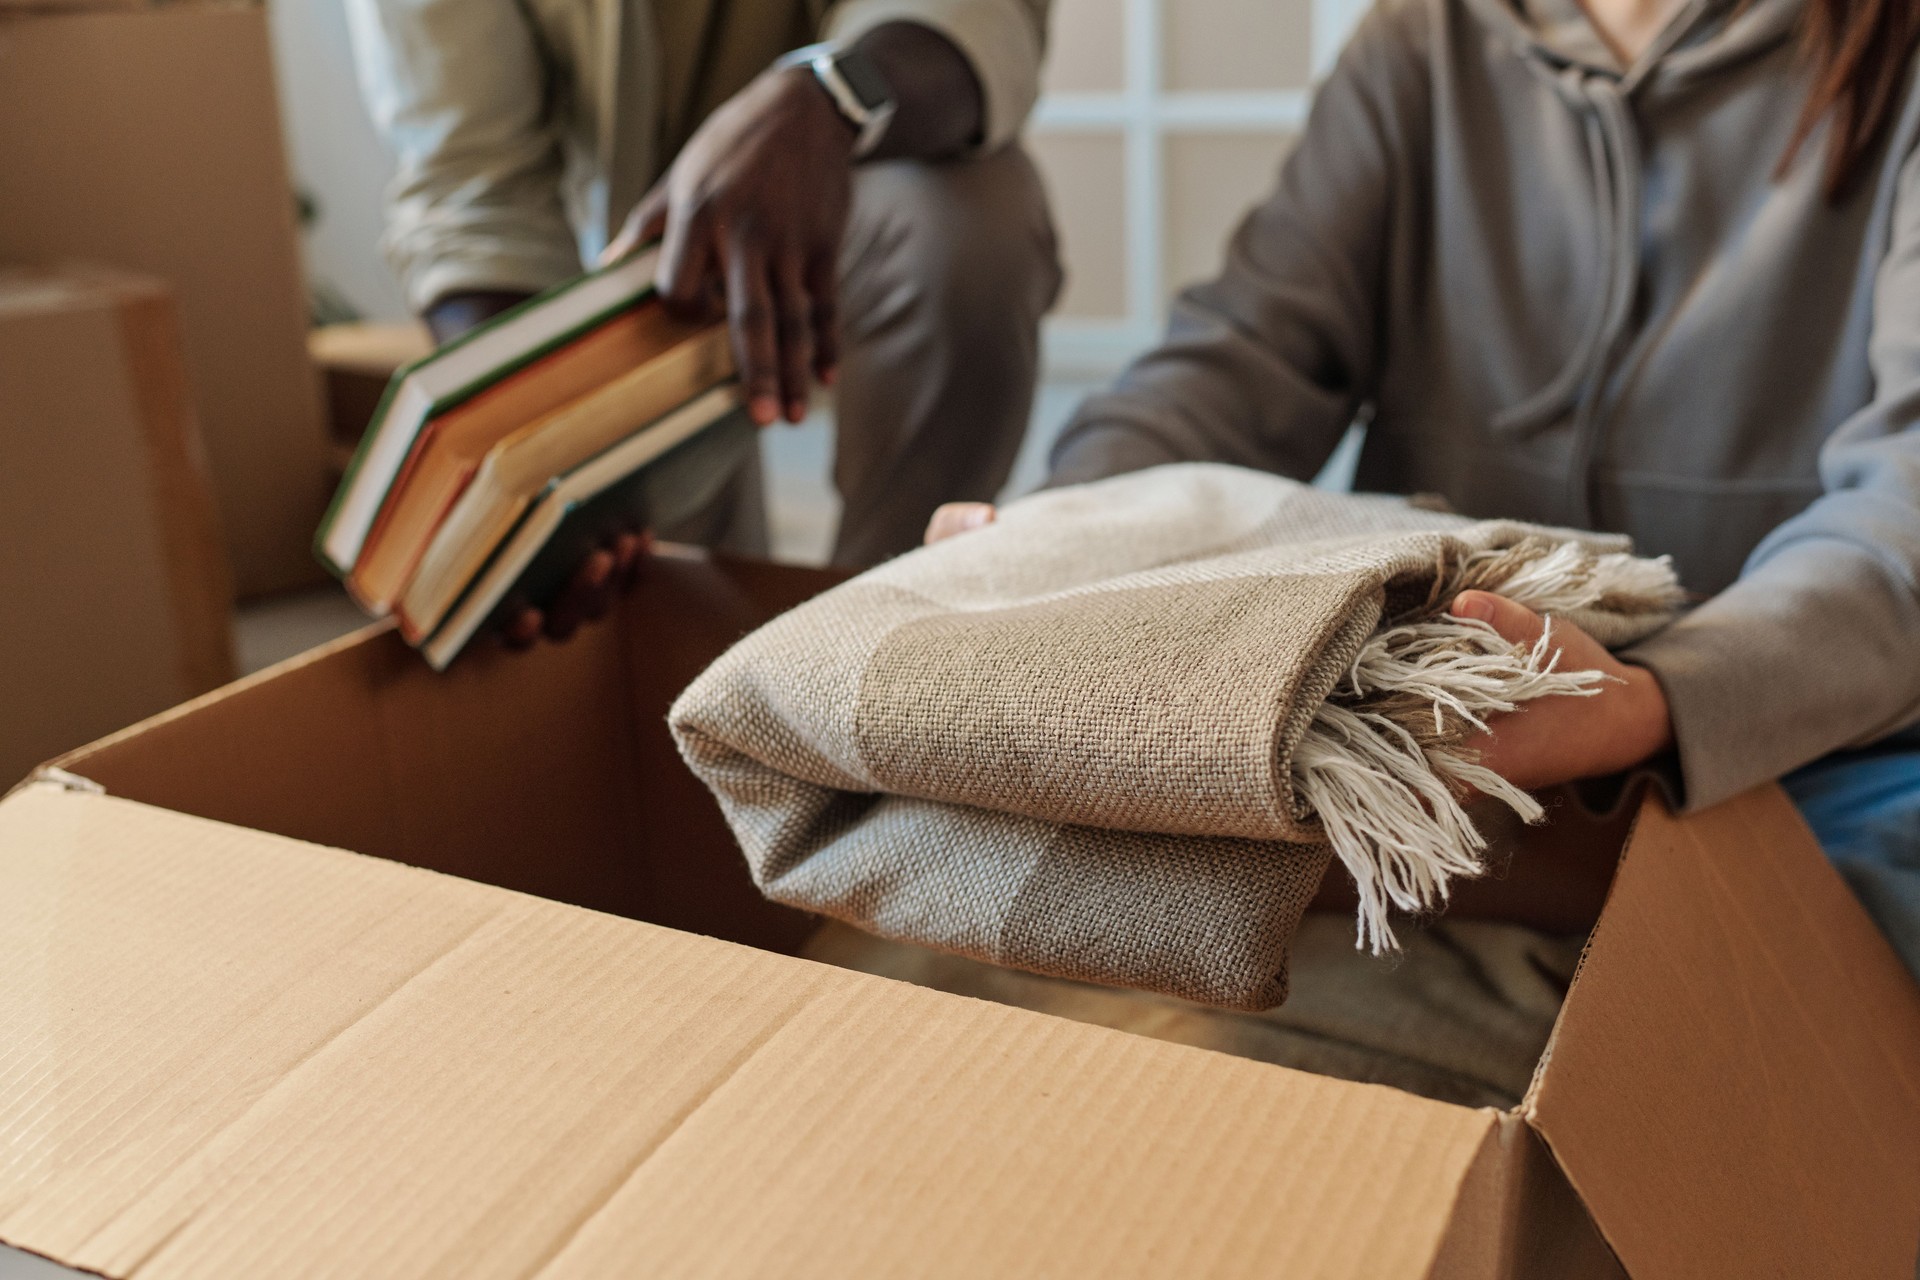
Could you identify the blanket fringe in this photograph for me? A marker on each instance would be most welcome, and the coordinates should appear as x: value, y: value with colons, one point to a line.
x: 1383, y: 765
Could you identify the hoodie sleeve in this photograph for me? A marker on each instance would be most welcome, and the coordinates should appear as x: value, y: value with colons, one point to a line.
x: 1817, y: 645
x: 458, y: 89
x: 1267, y: 364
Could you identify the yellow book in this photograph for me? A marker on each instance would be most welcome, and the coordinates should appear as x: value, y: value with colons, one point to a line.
x: 518, y: 468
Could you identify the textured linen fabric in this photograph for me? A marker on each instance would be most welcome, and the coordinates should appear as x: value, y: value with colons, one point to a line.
x: 1568, y: 291
x: 1062, y: 743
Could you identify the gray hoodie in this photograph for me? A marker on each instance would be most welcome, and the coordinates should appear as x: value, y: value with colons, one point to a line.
x: 1573, y: 294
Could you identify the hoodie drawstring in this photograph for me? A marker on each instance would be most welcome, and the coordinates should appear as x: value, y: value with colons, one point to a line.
x: 1613, y: 149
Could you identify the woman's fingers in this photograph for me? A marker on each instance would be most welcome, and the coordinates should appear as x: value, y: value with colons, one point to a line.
x: 1515, y: 623
x: 959, y: 517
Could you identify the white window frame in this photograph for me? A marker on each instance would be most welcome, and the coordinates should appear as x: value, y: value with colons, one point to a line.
x: 1143, y: 115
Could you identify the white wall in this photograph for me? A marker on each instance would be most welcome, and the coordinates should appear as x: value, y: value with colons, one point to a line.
x: 337, y: 158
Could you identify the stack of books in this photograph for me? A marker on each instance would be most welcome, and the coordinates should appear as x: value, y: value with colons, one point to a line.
x: 493, y: 466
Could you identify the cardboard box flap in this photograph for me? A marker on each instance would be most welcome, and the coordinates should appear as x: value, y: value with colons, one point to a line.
x: 1734, y: 1082
x: 224, y: 1053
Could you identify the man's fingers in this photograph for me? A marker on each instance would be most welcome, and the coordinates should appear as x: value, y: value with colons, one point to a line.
x: 650, y: 215
x: 750, y: 316
x: 794, y: 330
x: 623, y: 244
x: 630, y: 550
x: 686, y: 256
x: 1515, y: 623
x: 584, y: 598
x: 823, y: 287
x: 633, y: 233
x: 523, y: 628
x: 959, y: 517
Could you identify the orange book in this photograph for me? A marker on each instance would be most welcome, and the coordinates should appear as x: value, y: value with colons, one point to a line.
x: 451, y: 447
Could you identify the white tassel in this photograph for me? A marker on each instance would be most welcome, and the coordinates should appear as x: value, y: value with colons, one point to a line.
x: 1390, y: 806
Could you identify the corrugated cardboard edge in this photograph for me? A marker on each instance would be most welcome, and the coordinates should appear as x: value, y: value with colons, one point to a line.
x: 1733, y: 1084
x: 196, y: 556
x: 56, y: 771
x: 1518, y: 1218
x: 347, y: 1066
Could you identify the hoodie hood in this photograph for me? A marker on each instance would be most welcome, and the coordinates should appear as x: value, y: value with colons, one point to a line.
x: 1558, y: 43
x: 1702, y: 37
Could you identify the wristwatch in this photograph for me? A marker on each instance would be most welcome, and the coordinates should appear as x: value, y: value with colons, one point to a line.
x: 857, y: 88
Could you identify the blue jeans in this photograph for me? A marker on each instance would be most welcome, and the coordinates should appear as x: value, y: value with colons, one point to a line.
x: 1864, y: 806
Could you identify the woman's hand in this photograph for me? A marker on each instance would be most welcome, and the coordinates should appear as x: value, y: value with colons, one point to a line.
x: 958, y: 517
x: 1558, y: 739
x: 1546, y: 742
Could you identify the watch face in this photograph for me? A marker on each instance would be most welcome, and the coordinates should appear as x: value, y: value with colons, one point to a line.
x: 864, y: 79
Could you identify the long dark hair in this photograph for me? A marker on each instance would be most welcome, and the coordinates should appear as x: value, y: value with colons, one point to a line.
x: 1859, y: 51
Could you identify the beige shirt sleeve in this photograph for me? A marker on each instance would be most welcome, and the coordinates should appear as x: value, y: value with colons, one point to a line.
x: 458, y: 89
x: 1003, y: 39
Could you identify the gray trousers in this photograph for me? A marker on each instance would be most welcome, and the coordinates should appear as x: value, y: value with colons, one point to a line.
x: 944, y: 275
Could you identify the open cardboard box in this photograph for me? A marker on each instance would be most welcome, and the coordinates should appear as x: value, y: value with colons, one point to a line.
x: 228, y: 1048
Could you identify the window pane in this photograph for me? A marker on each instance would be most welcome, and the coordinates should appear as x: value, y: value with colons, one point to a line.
x: 1210, y: 181
x: 1086, y: 179
x: 1213, y: 45
x: 1086, y: 47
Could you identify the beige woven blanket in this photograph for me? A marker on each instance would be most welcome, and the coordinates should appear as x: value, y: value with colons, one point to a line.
x: 1118, y: 735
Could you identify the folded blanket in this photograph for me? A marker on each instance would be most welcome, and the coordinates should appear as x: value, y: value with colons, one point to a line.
x: 1118, y: 735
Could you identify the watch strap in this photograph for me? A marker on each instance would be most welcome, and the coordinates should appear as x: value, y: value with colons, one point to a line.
x: 869, y: 119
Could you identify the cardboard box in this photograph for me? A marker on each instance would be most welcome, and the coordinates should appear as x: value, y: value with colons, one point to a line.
x: 151, y: 139
x: 68, y: 6
x: 236, y: 1051
x: 114, y: 589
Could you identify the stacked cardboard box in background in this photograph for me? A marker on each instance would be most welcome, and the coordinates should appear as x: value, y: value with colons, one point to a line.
x: 150, y: 138
x: 114, y: 590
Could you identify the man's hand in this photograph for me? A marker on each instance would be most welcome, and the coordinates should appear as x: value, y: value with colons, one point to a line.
x: 1561, y: 739
x: 753, y: 210
x: 587, y: 596
x: 751, y: 217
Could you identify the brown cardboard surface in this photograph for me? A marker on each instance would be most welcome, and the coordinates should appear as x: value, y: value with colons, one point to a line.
x: 236, y: 1055
x: 563, y: 749
x: 1734, y: 1082
x: 151, y: 139
x: 113, y: 587
x: 1730, y: 1087
x: 68, y: 6
x: 1517, y: 1218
